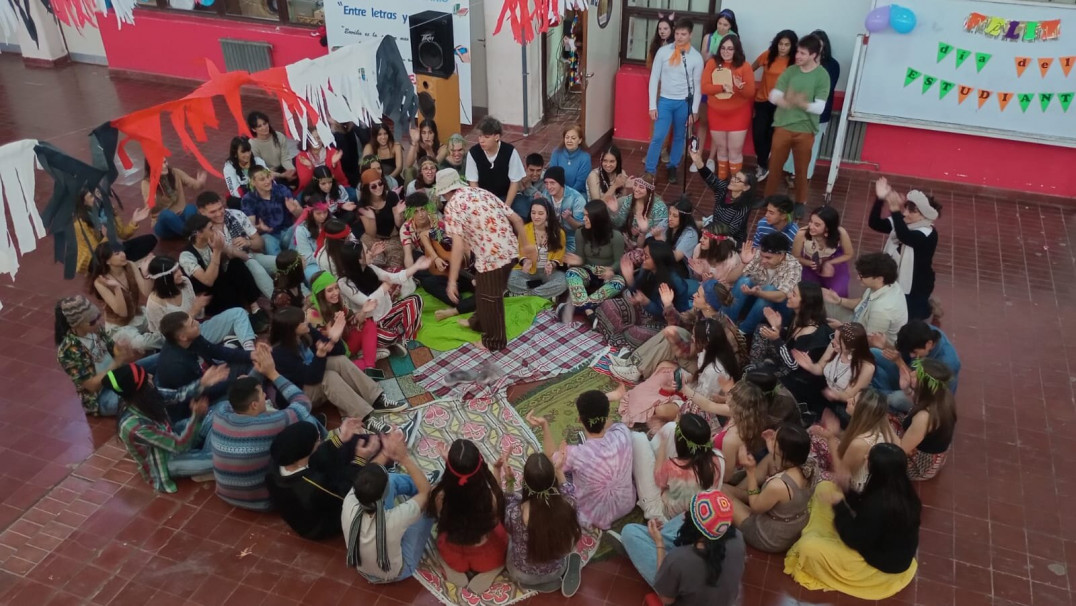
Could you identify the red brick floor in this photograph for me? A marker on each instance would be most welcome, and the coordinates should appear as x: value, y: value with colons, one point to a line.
x: 79, y: 525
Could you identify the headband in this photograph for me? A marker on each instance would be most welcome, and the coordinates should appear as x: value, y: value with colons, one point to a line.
x: 592, y: 421
x: 322, y: 282
x: 717, y: 237
x: 166, y: 272
x: 845, y: 330
x: 922, y: 377
x: 922, y: 204
x: 551, y: 491
x: 342, y: 235
x: 643, y: 182
x: 137, y: 373
x: 693, y: 447
x: 294, y: 264
x: 465, y: 476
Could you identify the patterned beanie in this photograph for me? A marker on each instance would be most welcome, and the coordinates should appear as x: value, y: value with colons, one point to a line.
x: 711, y: 511
x: 127, y: 380
x: 77, y: 310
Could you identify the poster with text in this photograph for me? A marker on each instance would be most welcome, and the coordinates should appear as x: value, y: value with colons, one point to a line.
x: 348, y: 21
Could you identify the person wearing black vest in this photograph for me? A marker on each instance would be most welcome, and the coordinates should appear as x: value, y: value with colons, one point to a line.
x: 493, y: 165
x: 206, y: 263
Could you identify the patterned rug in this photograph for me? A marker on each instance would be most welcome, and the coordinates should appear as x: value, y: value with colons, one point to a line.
x: 495, y: 427
x: 556, y: 402
x: 399, y: 382
x: 550, y: 348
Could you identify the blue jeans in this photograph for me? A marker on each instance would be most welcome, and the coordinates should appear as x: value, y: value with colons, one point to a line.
x: 642, y: 550
x: 671, y: 113
x: 412, y: 546
x: 400, y: 485
x: 108, y: 401
x: 887, y: 380
x: 753, y: 305
x: 230, y: 322
x: 198, y: 460
x: 170, y: 225
x: 274, y: 243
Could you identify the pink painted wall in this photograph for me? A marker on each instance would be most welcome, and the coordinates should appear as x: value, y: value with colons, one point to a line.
x: 174, y: 43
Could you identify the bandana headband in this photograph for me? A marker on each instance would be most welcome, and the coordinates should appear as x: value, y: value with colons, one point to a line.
x: 343, y: 235
x: 166, y: 272
x: 463, y: 477
x: 717, y: 237
x: 137, y: 372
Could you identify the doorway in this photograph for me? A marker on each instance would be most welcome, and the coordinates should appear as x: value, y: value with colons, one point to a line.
x: 562, y: 69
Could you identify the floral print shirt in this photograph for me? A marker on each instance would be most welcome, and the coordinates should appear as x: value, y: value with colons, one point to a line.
x: 79, y: 362
x: 481, y: 219
x: 784, y: 278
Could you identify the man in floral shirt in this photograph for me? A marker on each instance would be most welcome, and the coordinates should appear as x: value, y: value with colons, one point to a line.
x: 769, y: 277
x: 491, y: 230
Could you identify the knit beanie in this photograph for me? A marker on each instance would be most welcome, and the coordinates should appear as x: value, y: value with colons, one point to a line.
x: 555, y: 173
x: 294, y: 443
x: 78, y: 310
x: 711, y: 512
x: 709, y: 291
x: 126, y: 380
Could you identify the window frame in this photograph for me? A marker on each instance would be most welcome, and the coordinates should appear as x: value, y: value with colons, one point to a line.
x: 220, y: 12
x: 652, y: 13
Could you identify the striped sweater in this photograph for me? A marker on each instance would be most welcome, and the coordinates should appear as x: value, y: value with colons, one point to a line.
x: 241, y: 447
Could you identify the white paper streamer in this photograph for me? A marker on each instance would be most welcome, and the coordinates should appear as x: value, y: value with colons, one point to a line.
x: 9, y: 21
x: 124, y: 11
x: 341, y: 85
x: 17, y: 182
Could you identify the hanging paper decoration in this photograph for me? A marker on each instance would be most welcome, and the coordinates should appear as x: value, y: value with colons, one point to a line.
x: 961, y: 56
x: 1025, y: 100
x: 9, y: 21
x: 944, y: 87
x: 124, y: 10
x: 1012, y: 30
x: 984, y: 96
x: 943, y: 51
x: 1003, y: 100
x: 74, y: 13
x: 17, y: 182
x: 1065, y: 99
x: 928, y: 81
x: 962, y: 93
x: 911, y: 76
x: 341, y: 85
x: 526, y: 22
x: 23, y: 13
x: 1021, y: 65
x: 981, y: 60
x: 1045, y: 99
x: 1066, y: 64
x: 1044, y: 65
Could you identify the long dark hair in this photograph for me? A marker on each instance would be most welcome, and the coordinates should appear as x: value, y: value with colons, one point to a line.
x: 167, y: 183
x: 710, y: 336
x: 164, y: 286
x: 781, y: 35
x: 656, y: 42
x: 826, y: 53
x: 665, y: 267
x: 812, y: 311
x: 374, y: 145
x: 717, y: 252
x: 333, y: 246
x: 712, y: 552
x: 353, y: 268
x: 936, y: 398
x: 147, y: 401
x: 239, y: 144
x: 471, y: 505
x: 605, y: 181
x: 887, y: 468
x: 252, y: 121
x: 600, y: 231
x: 99, y: 268
x: 711, y: 25
x: 309, y: 200
x: 832, y: 220
x: 60, y: 326
x: 692, y: 427
x: 282, y: 330
x: 321, y: 172
x: 83, y: 212
x: 738, y: 57
x: 647, y: 207
x: 552, y: 225
x: 553, y: 526
x: 436, y: 139
x: 687, y: 221
x: 289, y: 270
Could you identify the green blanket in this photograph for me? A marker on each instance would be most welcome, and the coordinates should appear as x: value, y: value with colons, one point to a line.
x: 447, y: 334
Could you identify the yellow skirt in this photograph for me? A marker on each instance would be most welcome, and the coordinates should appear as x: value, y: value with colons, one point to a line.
x: 819, y: 560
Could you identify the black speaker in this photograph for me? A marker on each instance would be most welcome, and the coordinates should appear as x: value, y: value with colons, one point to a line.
x: 432, y: 46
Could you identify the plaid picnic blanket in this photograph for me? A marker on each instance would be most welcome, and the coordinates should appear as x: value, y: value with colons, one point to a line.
x: 547, y: 349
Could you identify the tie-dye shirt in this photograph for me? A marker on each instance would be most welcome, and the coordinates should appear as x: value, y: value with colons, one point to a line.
x: 601, y: 470
x: 679, y: 484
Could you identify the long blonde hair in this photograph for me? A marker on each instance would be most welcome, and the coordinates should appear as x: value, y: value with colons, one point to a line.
x: 748, y: 403
x: 871, y: 415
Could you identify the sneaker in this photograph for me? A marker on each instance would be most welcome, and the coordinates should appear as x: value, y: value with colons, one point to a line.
x: 761, y: 174
x: 376, y: 425
x: 566, y: 312
x: 670, y: 175
x: 627, y: 374
x: 322, y: 418
x: 616, y: 542
x: 410, y: 429
x: 692, y: 168
x: 398, y: 349
x: 383, y: 405
x: 569, y: 584
x: 710, y: 164
x: 433, y: 477
x: 383, y: 353
x: 624, y: 358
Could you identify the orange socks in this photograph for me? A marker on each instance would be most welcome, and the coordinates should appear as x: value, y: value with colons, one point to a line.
x: 735, y: 168
x: 722, y: 170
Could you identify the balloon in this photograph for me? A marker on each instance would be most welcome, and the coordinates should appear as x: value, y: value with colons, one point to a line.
x: 902, y: 19
x: 877, y: 19
x: 206, y: 2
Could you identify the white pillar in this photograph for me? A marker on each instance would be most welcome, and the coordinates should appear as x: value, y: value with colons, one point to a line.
x: 504, y: 74
x: 50, y: 46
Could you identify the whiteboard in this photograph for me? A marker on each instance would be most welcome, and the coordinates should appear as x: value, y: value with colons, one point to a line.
x: 881, y: 95
x: 759, y: 22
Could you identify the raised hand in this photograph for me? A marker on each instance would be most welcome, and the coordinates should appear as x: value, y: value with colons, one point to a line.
x: 830, y: 296
x: 422, y: 264
x: 200, y: 406
x: 773, y: 318
x: 882, y: 188
x: 642, y: 223
x: 876, y: 340
x: 214, y: 375
x: 369, y: 306
x: 667, y: 294
x: 140, y: 214
x: 536, y: 421
x: 747, y: 252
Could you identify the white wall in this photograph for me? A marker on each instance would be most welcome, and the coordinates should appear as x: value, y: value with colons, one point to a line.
x: 505, y: 75
x: 479, y: 88
x: 86, y: 45
x: 759, y: 21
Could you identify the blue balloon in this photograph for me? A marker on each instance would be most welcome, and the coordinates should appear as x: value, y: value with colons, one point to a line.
x: 877, y: 19
x: 206, y: 2
x: 902, y: 19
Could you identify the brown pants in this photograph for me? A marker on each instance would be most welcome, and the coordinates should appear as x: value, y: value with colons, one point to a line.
x: 799, y: 144
x: 347, y: 387
x: 489, y: 313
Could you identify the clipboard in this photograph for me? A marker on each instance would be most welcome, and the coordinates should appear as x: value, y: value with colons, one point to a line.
x: 720, y: 77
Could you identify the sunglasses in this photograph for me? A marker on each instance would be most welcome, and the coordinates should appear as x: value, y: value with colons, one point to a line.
x: 376, y: 184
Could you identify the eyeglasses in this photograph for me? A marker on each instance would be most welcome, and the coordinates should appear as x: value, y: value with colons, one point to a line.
x: 739, y: 179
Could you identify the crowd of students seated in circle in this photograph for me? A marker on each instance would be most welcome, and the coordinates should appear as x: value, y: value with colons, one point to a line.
x: 760, y: 400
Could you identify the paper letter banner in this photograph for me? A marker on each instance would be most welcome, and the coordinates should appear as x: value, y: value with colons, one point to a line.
x: 1044, y: 65
x: 944, y: 87
x: 911, y: 76
x: 1031, y: 29
x: 1066, y: 64
x: 1021, y: 65
x: 1025, y: 100
x: 1044, y: 100
x: 943, y: 51
x: 995, y: 26
x: 981, y: 60
x: 984, y: 95
x: 1050, y: 30
x: 961, y: 56
x: 1003, y: 100
x: 928, y: 81
x: 962, y: 93
x: 1012, y: 29
x: 1064, y: 99
x: 975, y: 21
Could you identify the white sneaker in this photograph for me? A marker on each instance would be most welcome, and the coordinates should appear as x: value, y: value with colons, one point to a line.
x: 692, y: 169
x: 627, y: 374
x: 761, y: 174
x: 624, y: 358
x: 383, y: 353
x: 710, y: 164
